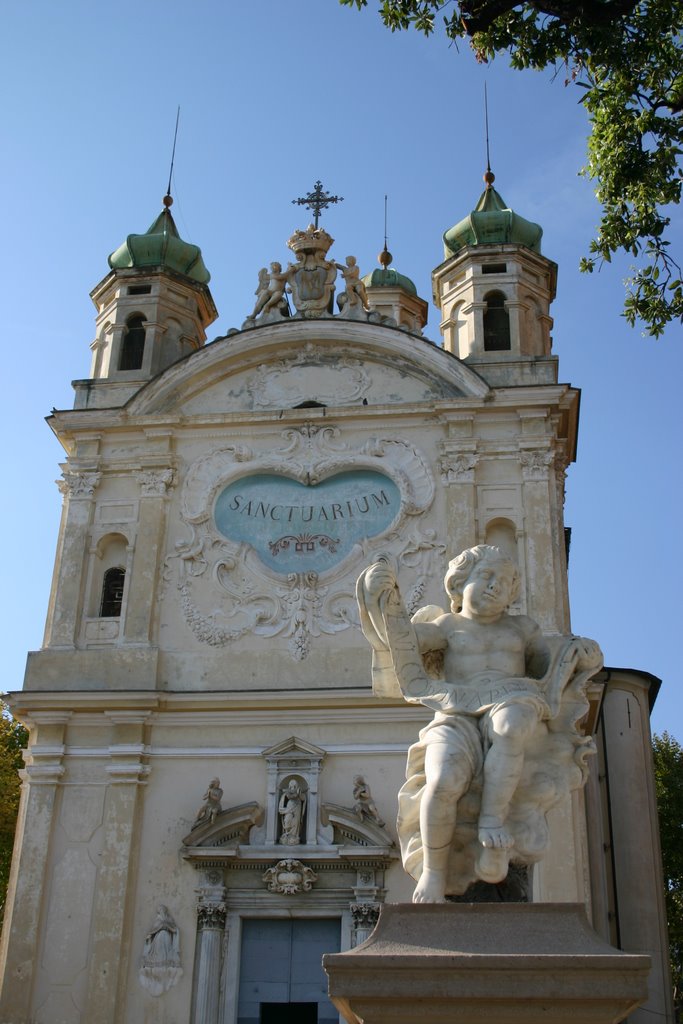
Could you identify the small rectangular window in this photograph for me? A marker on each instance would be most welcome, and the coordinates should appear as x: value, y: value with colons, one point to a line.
x: 140, y: 289
x: 494, y: 268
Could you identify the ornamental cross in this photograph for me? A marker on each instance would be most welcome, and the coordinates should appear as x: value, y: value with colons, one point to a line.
x: 317, y: 200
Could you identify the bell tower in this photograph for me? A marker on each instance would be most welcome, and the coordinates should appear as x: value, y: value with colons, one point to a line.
x: 153, y: 308
x: 494, y: 291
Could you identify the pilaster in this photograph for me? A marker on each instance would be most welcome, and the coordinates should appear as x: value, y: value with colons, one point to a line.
x: 25, y: 898
x: 78, y: 488
x: 155, y: 485
x: 112, y: 910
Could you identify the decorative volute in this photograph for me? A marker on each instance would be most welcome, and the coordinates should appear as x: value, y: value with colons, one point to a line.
x: 154, y: 306
x: 494, y: 288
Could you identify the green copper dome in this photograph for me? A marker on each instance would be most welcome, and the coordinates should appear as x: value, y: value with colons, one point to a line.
x: 161, y: 246
x: 490, y: 223
x: 389, y: 278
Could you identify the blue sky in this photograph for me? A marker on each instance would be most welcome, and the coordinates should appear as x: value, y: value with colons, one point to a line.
x: 273, y: 96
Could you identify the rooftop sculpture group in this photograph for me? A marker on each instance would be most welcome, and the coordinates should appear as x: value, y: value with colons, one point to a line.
x: 503, y: 747
x: 310, y: 282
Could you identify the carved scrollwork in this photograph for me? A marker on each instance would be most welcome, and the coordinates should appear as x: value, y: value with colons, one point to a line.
x: 226, y: 590
x: 291, y: 381
x: 289, y: 877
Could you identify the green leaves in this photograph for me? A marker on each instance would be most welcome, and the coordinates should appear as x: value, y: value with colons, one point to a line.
x: 13, y: 738
x: 626, y: 57
x: 668, y: 764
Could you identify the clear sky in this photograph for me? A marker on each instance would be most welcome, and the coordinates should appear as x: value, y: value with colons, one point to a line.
x: 274, y: 95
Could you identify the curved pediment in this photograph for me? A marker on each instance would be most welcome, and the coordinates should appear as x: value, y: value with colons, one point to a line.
x: 229, y: 828
x: 308, y: 363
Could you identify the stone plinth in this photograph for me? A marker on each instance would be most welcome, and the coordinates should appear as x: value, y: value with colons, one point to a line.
x: 511, y: 963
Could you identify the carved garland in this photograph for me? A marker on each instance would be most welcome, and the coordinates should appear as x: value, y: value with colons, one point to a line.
x: 243, y: 595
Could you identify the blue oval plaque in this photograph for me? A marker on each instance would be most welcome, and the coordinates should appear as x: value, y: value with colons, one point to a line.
x: 296, y: 527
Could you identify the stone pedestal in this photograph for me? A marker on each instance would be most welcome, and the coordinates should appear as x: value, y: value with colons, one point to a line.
x: 511, y: 963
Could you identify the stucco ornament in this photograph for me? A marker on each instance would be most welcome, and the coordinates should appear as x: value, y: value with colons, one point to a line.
x: 160, y: 968
x: 253, y: 563
x: 503, y: 747
x: 289, y: 877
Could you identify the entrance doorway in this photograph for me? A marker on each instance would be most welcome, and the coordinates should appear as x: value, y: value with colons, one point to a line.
x: 281, y: 975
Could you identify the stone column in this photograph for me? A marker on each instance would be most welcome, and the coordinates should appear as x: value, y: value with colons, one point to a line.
x: 26, y: 894
x: 117, y: 872
x: 140, y: 604
x: 78, y: 489
x: 208, y: 960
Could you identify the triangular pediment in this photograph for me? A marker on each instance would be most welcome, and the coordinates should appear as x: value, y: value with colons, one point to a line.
x: 294, y: 747
x: 299, y: 364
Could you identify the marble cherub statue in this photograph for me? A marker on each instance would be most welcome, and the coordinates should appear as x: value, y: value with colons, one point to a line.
x: 355, y: 288
x: 270, y: 293
x: 503, y: 746
x: 211, y: 807
x: 364, y: 806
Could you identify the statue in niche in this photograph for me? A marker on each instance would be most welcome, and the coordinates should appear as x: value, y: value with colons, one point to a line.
x: 291, y: 810
x: 364, y: 805
x: 160, y: 968
x: 503, y: 747
x: 211, y: 807
x: 355, y: 293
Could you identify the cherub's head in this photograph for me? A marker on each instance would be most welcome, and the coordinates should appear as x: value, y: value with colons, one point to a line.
x: 461, y: 568
x: 350, y: 261
x: 276, y: 267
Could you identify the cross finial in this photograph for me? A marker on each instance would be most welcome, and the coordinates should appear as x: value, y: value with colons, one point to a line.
x: 317, y: 200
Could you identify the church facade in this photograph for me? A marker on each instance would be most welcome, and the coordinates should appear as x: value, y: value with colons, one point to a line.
x: 210, y: 789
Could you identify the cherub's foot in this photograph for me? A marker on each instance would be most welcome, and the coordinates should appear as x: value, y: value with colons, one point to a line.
x: 492, y: 865
x: 431, y: 888
x: 495, y: 837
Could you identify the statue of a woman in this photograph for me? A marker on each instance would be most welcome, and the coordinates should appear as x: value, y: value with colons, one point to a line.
x: 291, y: 809
x: 160, y: 968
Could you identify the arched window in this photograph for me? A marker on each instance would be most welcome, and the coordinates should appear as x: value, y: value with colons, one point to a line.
x: 496, y: 324
x: 112, y: 592
x: 133, y: 344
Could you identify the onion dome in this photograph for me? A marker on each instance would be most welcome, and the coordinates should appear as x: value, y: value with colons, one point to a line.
x: 388, y: 278
x: 492, y: 223
x: 161, y: 247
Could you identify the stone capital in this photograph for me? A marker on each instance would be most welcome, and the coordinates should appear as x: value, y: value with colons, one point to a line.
x: 78, y: 485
